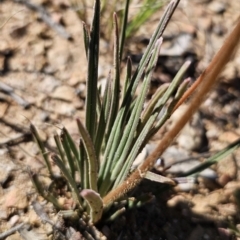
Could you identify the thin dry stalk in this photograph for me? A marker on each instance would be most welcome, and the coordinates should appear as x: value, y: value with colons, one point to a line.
x: 204, y: 83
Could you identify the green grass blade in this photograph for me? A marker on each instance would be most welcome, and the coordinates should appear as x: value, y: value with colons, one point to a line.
x: 214, y: 159
x: 174, y: 85
x: 83, y: 166
x: 111, y: 147
x: 86, y: 38
x: 116, y: 80
x: 104, y: 113
x: 91, y: 156
x: 69, y: 179
x: 41, y: 147
x: 152, y: 104
x: 182, y: 88
x: 71, y: 143
x: 66, y: 147
x: 124, y: 28
x: 149, y: 7
x: 93, y: 55
x: 134, y: 152
x: 128, y: 77
x: 39, y: 187
x: 60, y: 148
x: 74, y: 149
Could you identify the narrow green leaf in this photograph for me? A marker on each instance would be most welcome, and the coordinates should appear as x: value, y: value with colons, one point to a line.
x: 124, y: 28
x: 116, y: 214
x: 39, y: 187
x: 152, y: 104
x: 135, y: 149
x: 69, y: 179
x: 104, y: 113
x: 60, y: 148
x: 91, y: 156
x: 128, y: 77
x: 83, y: 166
x: 182, y: 88
x: 116, y: 80
x: 214, y: 159
x: 71, y: 143
x: 93, y: 55
x: 67, y: 150
x: 112, y: 144
x: 86, y: 36
x: 41, y: 148
x: 174, y: 85
x: 168, y: 112
x: 149, y: 7
x: 74, y: 150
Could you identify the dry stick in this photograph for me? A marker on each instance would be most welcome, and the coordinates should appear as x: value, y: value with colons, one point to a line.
x: 207, y: 79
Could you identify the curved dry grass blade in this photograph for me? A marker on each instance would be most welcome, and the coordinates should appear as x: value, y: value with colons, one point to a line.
x: 208, y: 79
x: 158, y: 178
x: 95, y: 203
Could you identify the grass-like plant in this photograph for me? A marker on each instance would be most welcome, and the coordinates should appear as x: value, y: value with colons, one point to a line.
x: 97, y: 169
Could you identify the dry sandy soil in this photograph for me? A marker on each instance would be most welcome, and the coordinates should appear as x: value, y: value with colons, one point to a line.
x: 42, y: 80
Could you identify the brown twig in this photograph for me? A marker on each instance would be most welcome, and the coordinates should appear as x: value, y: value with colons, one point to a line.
x: 204, y: 83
